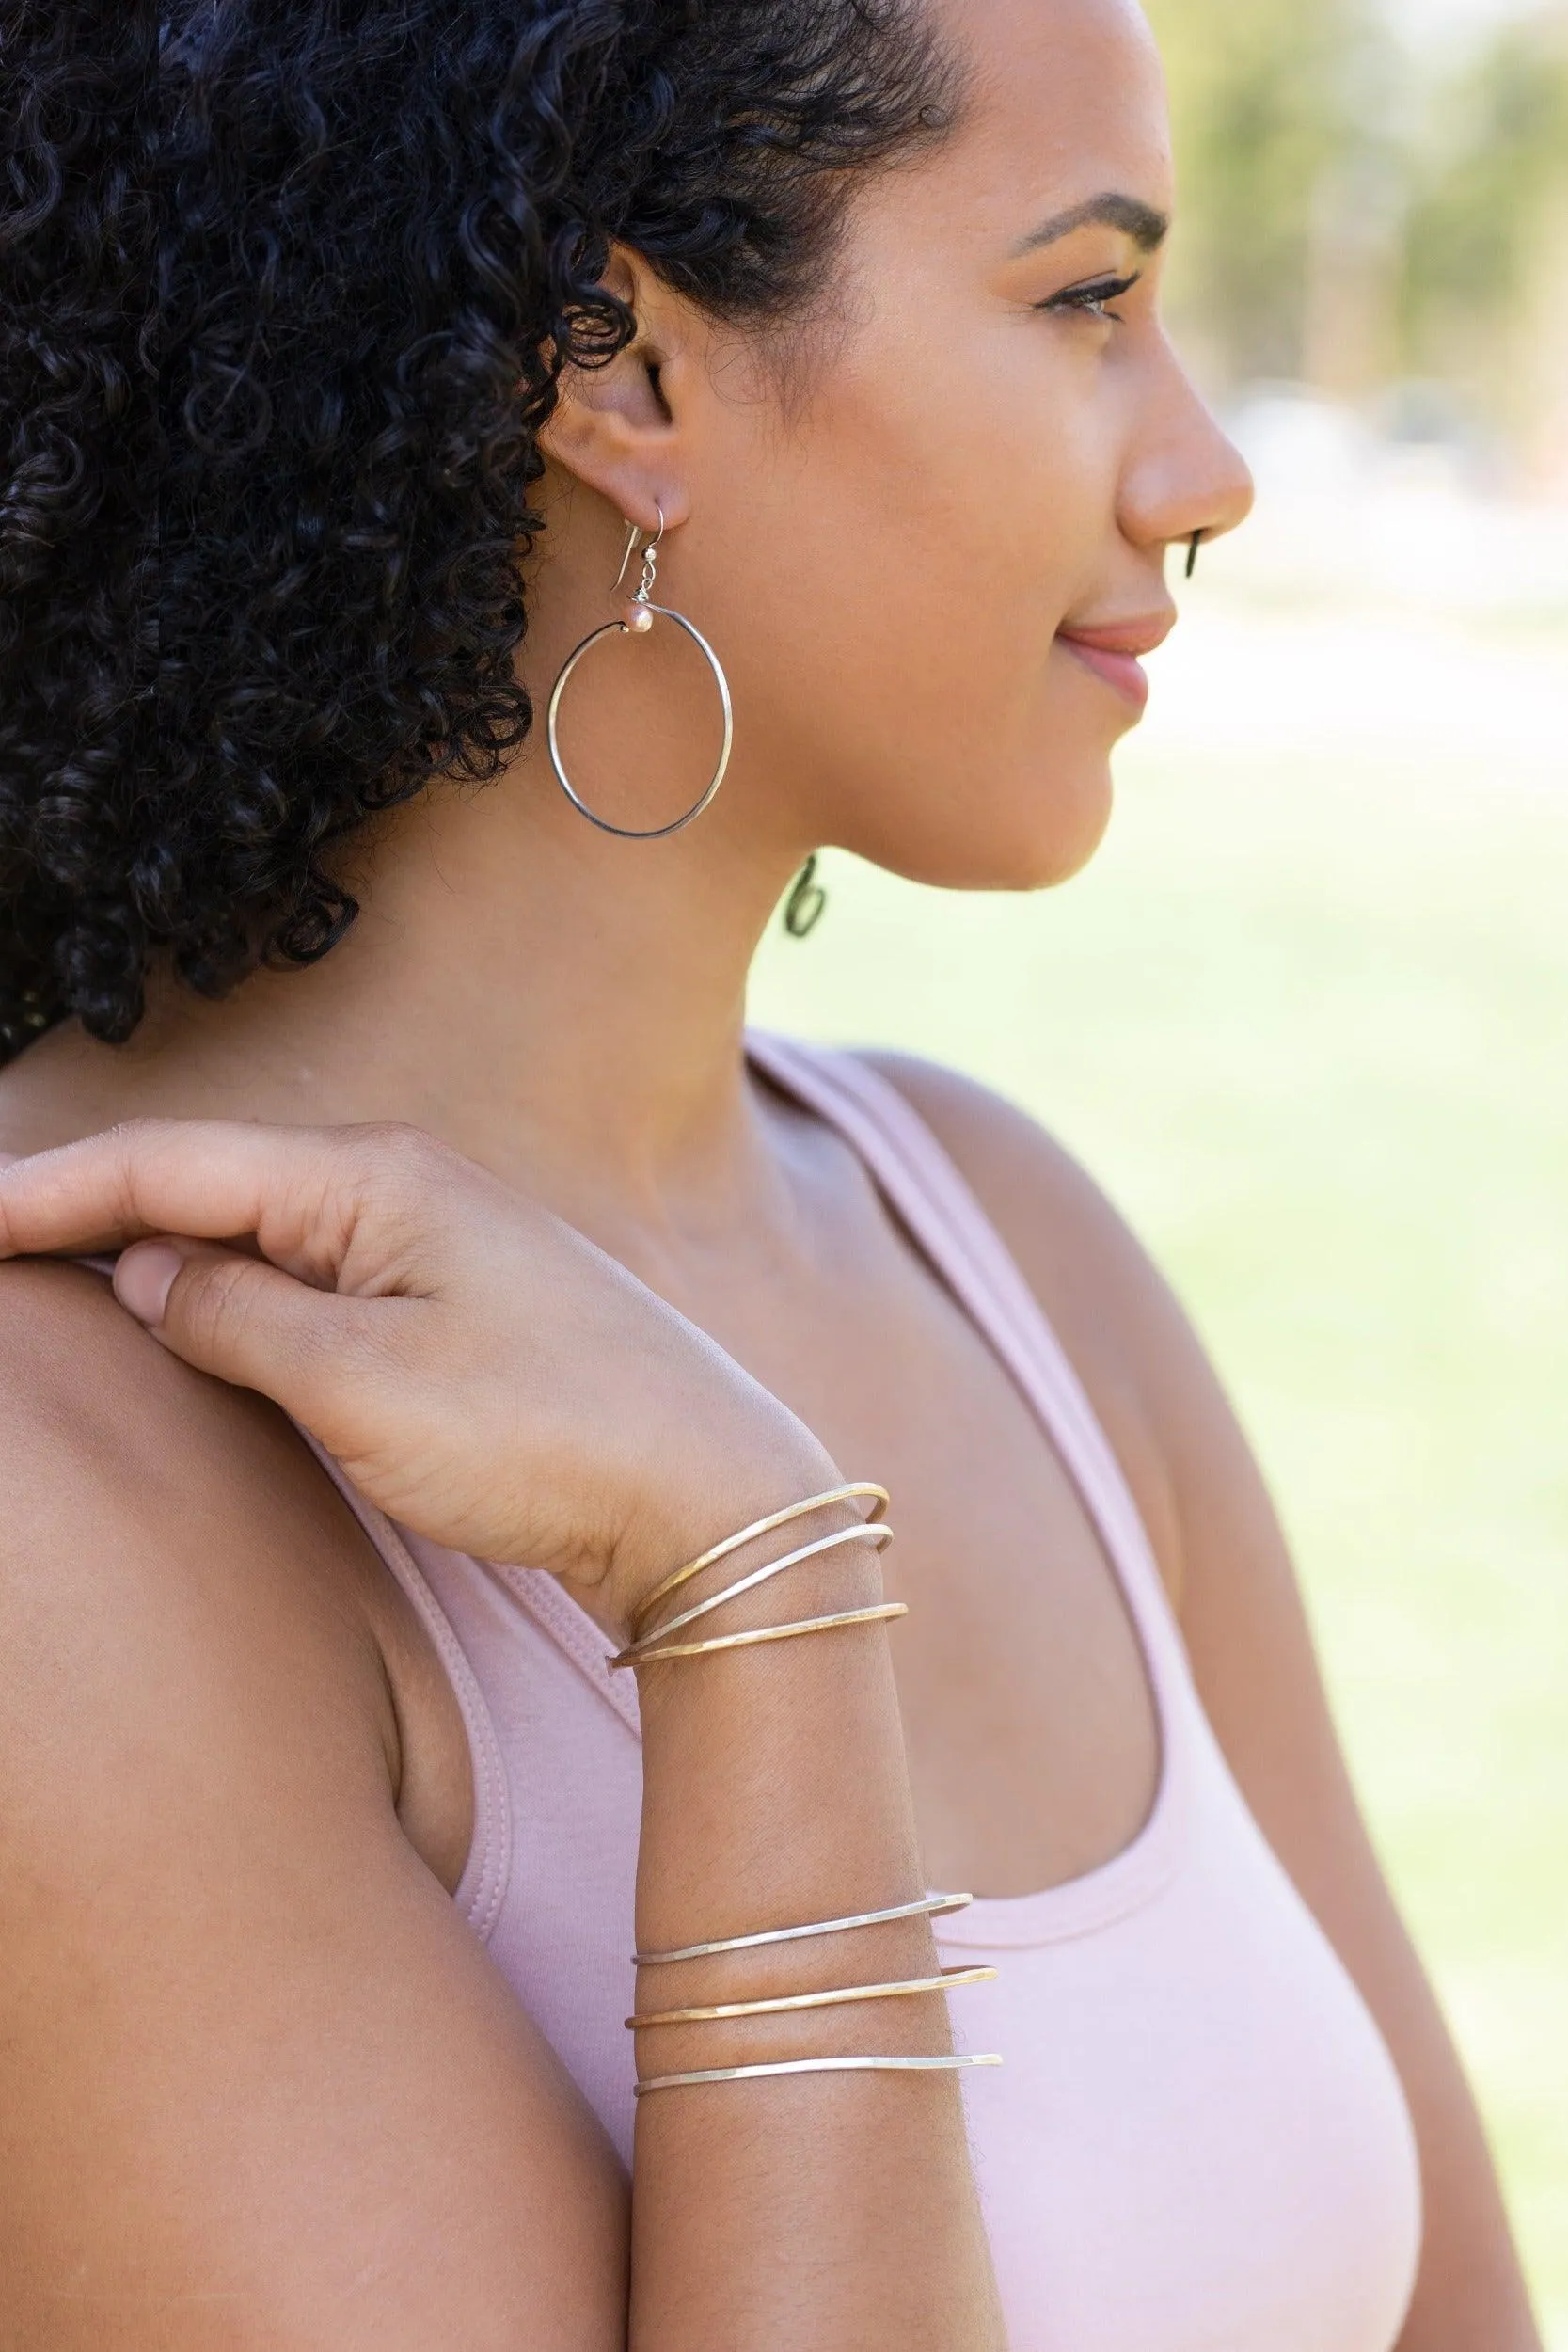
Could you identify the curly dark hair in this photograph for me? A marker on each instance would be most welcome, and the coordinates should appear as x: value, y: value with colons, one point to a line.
x: 78, y: 552
x: 285, y: 292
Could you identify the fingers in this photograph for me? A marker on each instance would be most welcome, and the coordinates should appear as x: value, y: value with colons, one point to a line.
x: 245, y: 1322
x: 207, y: 1178
x: 300, y: 1190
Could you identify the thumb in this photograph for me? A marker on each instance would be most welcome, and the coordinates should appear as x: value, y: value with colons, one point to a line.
x: 241, y: 1319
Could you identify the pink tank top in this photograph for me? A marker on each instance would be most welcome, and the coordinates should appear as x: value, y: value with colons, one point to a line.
x: 1197, y: 2141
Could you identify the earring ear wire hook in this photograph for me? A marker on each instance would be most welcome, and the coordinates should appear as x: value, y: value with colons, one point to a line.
x: 632, y: 531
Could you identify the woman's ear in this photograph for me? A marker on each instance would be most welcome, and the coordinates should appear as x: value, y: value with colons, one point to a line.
x: 623, y: 429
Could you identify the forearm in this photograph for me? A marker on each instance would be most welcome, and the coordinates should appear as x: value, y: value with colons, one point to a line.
x: 833, y: 2210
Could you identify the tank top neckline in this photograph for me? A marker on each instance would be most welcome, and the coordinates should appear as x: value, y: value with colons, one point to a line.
x: 1190, y: 2072
x: 920, y: 1184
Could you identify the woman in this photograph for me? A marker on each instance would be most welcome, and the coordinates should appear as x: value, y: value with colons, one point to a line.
x: 844, y: 315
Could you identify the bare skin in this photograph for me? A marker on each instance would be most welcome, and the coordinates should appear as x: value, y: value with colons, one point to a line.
x: 889, y: 555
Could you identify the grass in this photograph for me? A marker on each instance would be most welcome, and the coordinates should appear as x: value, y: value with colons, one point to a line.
x: 1307, y: 1022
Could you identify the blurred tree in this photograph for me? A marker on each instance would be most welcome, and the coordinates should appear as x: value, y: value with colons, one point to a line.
x: 1281, y: 118
x: 1495, y: 152
x: 1485, y: 278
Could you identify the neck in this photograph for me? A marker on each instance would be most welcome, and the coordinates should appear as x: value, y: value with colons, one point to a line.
x: 561, y: 1006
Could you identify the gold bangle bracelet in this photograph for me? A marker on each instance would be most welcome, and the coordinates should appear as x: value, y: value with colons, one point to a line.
x: 879, y: 1496
x: 868, y: 1532
x: 948, y: 1981
x: 882, y: 1615
x: 816, y: 2066
x: 929, y: 1906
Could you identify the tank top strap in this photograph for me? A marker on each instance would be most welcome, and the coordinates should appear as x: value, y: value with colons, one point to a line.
x: 943, y: 1214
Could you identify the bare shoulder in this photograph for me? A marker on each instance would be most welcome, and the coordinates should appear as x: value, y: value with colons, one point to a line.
x: 163, y: 1540
x: 251, y: 2056
x: 1124, y: 1331
x: 187, y: 1517
x: 101, y: 1427
x: 155, y: 1501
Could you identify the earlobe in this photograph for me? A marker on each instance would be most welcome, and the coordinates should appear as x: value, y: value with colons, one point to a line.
x: 619, y: 442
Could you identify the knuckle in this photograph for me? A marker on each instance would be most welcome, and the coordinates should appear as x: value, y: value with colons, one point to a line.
x: 401, y: 1165
x: 397, y: 1145
x: 138, y: 1141
x: 133, y: 1140
x: 132, y: 1144
x: 127, y: 1133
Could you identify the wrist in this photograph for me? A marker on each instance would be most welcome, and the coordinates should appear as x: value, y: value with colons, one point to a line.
x: 743, y: 1495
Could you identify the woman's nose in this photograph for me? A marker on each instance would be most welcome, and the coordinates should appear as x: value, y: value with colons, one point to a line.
x: 1231, y: 496
x: 1188, y: 477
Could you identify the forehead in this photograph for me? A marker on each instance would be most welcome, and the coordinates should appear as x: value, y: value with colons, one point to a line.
x: 1066, y: 99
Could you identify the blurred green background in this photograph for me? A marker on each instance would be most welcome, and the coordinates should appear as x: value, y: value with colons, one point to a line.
x: 1375, y: 202
x: 1307, y: 1015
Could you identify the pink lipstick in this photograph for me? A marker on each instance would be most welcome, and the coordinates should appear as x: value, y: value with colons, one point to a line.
x: 1110, y: 650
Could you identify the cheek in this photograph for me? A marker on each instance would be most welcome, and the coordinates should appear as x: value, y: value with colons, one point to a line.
x: 892, y: 599
x: 908, y: 549
x: 937, y: 729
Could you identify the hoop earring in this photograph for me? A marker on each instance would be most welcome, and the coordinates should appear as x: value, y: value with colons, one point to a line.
x: 640, y: 621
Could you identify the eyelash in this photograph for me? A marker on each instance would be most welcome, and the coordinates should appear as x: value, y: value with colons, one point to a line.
x: 1091, y: 300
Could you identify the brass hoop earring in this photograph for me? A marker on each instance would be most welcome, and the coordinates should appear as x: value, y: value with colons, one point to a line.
x: 641, y: 620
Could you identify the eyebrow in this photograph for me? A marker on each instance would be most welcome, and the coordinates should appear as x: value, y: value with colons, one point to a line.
x: 1147, y: 228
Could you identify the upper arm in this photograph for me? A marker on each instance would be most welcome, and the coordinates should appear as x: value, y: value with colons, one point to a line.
x: 258, y: 2082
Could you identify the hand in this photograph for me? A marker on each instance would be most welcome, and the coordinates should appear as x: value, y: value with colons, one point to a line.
x: 480, y: 1371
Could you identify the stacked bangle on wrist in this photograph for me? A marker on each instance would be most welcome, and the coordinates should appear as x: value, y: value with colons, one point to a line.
x: 883, y: 1613
x: 646, y: 1647
x: 948, y: 1981
x: 928, y: 1907
x: 852, y: 1493
x: 816, y: 2066
x: 650, y: 1646
x: 868, y: 1531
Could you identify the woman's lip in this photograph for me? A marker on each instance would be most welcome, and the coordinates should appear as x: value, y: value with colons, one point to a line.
x: 1122, y: 671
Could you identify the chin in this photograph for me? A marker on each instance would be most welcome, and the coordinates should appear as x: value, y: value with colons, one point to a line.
x: 1031, y: 833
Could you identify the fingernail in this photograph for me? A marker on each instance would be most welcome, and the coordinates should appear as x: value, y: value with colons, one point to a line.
x: 144, y: 1277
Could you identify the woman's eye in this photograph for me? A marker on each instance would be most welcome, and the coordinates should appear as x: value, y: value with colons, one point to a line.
x: 1093, y: 299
